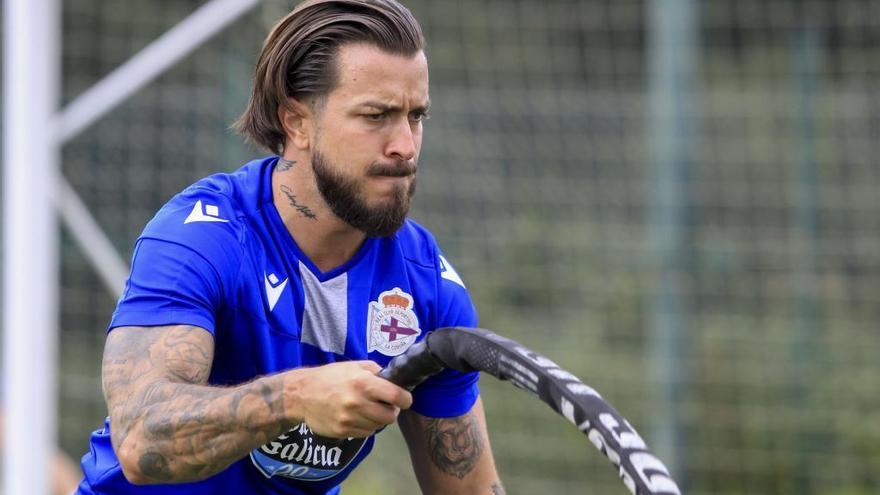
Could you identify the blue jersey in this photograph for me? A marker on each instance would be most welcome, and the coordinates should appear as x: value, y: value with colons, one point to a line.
x: 218, y: 256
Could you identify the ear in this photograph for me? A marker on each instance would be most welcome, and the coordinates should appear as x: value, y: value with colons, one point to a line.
x: 297, y: 119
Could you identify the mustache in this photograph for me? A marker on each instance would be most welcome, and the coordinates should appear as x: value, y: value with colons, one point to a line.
x: 400, y: 169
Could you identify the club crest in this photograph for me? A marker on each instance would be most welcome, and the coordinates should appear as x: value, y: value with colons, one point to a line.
x: 392, y: 325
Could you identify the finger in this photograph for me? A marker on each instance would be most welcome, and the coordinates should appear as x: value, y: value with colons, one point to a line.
x: 370, y: 366
x: 366, y: 420
x: 379, y: 414
x: 404, y: 399
x: 382, y: 390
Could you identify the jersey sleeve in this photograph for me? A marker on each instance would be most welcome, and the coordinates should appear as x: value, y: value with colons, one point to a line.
x: 449, y: 393
x: 183, y: 264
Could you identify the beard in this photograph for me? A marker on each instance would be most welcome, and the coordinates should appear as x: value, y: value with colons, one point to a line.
x: 347, y: 199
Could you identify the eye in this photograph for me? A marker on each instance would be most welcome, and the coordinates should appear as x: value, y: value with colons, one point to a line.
x: 376, y: 117
x: 419, y: 116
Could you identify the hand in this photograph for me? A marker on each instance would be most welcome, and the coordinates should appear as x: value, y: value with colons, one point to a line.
x: 346, y: 399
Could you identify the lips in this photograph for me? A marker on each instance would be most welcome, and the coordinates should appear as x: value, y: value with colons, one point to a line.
x: 391, y: 170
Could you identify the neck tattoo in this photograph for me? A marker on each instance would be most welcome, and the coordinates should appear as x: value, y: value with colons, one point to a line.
x: 302, y: 209
x: 284, y: 165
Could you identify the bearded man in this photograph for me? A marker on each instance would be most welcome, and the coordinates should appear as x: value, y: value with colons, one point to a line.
x: 242, y: 356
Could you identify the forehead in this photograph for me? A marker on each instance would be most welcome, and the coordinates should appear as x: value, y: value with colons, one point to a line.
x: 367, y: 72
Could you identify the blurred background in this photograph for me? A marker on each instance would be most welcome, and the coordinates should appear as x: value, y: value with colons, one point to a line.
x: 676, y: 200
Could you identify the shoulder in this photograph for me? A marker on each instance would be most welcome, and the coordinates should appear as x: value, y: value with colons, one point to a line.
x: 417, y: 244
x: 210, y: 216
x: 237, y: 192
x: 205, y: 208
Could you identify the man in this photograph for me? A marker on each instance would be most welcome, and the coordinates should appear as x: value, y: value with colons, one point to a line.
x: 242, y: 356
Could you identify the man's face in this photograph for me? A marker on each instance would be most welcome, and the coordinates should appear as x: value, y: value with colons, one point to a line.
x: 368, y: 137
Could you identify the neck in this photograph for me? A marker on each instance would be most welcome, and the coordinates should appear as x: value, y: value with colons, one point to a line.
x: 320, y: 234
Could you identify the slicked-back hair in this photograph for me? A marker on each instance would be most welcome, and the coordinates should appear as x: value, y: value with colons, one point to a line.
x: 298, y: 59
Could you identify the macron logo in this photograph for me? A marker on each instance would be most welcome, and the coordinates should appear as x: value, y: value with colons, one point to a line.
x: 449, y: 273
x: 274, y: 288
x: 210, y: 213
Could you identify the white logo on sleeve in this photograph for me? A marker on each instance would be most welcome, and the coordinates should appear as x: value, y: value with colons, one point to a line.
x: 449, y: 273
x: 210, y: 213
x: 274, y: 288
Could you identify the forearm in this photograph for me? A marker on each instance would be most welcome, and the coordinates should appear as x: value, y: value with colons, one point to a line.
x: 452, y: 455
x: 176, y: 432
x: 168, y: 426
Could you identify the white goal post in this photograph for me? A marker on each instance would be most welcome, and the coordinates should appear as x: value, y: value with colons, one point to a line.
x: 34, y: 129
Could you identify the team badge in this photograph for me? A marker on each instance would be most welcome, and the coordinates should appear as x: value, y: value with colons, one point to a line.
x: 392, y: 325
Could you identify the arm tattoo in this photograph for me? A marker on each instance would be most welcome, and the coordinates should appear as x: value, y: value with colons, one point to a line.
x: 454, y: 444
x: 497, y: 489
x: 302, y: 209
x: 284, y: 165
x: 163, y: 415
x: 155, y: 466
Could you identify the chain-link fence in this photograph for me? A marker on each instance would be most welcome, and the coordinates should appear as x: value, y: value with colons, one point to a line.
x: 544, y: 180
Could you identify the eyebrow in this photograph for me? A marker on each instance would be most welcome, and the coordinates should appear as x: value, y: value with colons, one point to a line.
x: 392, y: 108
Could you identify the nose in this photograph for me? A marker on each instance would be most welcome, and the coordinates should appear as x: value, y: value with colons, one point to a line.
x: 402, y: 144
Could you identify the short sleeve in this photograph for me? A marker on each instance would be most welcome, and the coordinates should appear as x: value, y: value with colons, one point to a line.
x: 449, y: 393
x: 183, y: 264
x: 170, y: 284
